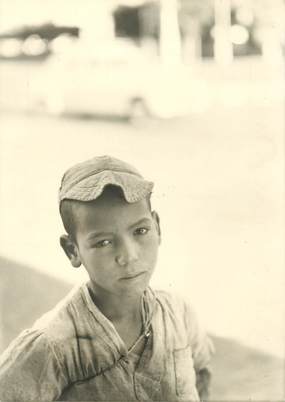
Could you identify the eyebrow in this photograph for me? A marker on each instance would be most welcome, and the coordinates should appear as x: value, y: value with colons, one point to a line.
x: 140, y: 221
x: 95, y: 234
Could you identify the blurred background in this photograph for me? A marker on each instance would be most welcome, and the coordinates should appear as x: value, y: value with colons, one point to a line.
x: 192, y: 93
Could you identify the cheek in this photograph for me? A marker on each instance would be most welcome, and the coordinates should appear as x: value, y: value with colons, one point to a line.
x: 99, y: 266
x: 91, y: 259
x: 98, y: 258
x: 150, y: 248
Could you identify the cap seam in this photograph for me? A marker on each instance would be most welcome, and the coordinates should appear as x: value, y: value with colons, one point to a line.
x: 74, y: 183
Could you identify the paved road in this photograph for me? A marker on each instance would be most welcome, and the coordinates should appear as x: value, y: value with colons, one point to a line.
x: 219, y: 191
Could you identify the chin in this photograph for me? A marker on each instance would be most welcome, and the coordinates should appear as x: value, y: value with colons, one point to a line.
x: 134, y: 290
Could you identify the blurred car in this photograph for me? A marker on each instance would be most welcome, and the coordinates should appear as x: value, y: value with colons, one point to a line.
x: 116, y: 79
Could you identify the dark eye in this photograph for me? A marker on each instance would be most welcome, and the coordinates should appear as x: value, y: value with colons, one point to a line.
x: 141, y: 231
x: 102, y: 243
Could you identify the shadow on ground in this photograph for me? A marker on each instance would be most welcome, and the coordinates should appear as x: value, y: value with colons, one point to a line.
x: 240, y: 373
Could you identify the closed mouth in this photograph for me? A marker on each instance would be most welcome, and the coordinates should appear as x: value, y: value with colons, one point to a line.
x: 133, y: 276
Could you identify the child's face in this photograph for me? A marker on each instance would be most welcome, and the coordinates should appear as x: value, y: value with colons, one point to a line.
x: 117, y: 243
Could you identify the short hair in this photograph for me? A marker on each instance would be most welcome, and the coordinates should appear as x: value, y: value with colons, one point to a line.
x: 68, y: 207
x: 67, y: 214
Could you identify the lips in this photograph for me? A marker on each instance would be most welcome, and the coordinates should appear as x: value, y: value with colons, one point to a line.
x: 130, y: 277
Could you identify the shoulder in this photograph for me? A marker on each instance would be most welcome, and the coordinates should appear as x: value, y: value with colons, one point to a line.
x: 183, y: 317
x: 59, y: 324
x: 172, y: 302
x: 50, y: 345
x: 30, y: 360
x: 55, y: 323
x: 53, y: 333
x: 28, y: 342
x: 175, y: 310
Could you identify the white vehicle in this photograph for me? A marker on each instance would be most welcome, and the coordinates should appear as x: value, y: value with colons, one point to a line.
x: 115, y: 79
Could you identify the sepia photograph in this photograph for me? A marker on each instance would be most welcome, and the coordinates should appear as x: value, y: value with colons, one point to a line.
x: 142, y: 188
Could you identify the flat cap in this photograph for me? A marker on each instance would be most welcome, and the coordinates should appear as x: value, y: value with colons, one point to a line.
x: 86, y: 181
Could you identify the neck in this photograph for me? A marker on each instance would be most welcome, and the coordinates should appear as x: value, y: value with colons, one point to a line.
x: 116, y: 307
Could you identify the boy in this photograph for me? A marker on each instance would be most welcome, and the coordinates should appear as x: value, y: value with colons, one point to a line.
x: 113, y: 338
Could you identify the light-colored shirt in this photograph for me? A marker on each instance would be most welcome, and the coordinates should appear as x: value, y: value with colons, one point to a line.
x: 75, y: 353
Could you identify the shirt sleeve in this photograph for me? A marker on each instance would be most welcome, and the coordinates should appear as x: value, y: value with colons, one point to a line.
x: 30, y: 370
x: 201, y: 344
x: 202, y: 349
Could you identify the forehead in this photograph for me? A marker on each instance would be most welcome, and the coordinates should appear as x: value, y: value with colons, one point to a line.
x: 109, y: 212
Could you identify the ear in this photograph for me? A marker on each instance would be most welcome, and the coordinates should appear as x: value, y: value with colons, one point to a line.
x: 156, y: 219
x: 71, y: 250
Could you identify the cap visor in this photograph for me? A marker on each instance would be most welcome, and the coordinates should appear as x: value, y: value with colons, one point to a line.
x: 134, y: 187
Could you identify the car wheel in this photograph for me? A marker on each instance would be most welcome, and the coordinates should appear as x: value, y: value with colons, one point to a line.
x: 138, y: 110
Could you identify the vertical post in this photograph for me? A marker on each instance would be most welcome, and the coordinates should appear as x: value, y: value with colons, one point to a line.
x: 223, y: 49
x: 96, y: 21
x: 192, y: 43
x: 170, y: 40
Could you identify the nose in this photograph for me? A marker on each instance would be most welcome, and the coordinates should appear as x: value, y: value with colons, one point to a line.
x: 126, y: 253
